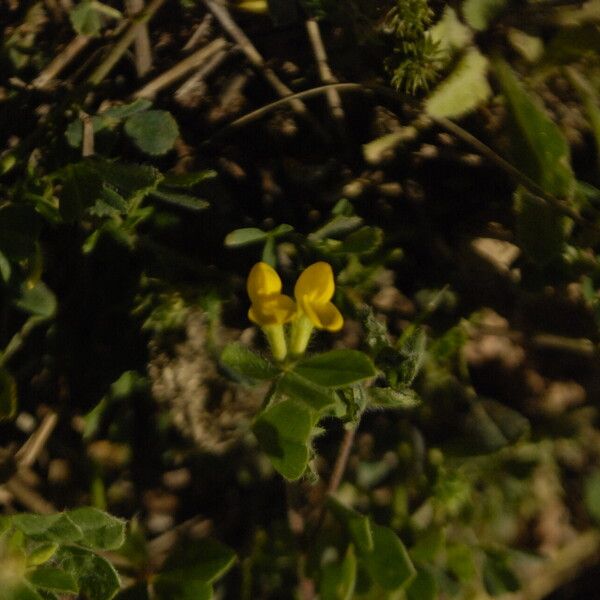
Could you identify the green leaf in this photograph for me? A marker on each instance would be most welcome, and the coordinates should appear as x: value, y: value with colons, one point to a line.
x: 539, y: 147
x: 388, y: 562
x: 463, y: 90
x: 422, y: 587
x: 316, y: 397
x: 132, y: 181
x: 358, y: 526
x: 153, y: 132
x: 5, y: 268
x: 56, y: 528
x: 180, y: 200
x: 101, y: 531
x: 8, y: 395
x: 53, y: 579
x: 280, y: 230
x: 541, y: 231
x: 38, y: 300
x: 480, y: 13
x: 429, y: 544
x: 387, y: 397
x: 247, y: 363
x: 203, y: 560
x: 338, y: 580
x: 591, y: 495
x: 170, y: 588
x: 126, y: 110
x: 492, y: 425
x: 74, y: 131
x: 413, y: 350
x: 41, y: 553
x: 22, y: 591
x: 19, y: 229
x: 109, y: 204
x: 449, y: 33
x: 339, y: 225
x: 283, y: 432
x: 81, y: 188
x: 85, y: 18
x: 461, y: 562
x: 498, y: 577
x: 245, y: 236
x: 336, y: 368
x: 363, y: 241
x: 95, y: 576
x: 187, y: 180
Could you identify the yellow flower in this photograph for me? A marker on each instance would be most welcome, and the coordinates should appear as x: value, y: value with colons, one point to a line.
x: 314, y: 291
x: 269, y: 305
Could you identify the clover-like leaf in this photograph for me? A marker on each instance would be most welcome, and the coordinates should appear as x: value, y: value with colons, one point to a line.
x: 283, y: 432
x: 336, y: 368
x: 153, y: 131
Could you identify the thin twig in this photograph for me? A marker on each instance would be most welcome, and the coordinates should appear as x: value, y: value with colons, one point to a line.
x: 28, y: 497
x: 517, y: 175
x: 326, y: 75
x: 232, y: 28
x: 17, y: 340
x: 194, y: 88
x: 341, y: 462
x: 200, y: 36
x: 537, y: 192
x: 87, y: 143
x: 181, y: 69
x: 264, y: 110
x: 60, y: 61
x: 30, y: 450
x: 143, y: 50
x: 117, y: 51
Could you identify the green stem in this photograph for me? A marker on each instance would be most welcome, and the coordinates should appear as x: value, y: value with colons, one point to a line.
x: 302, y: 329
x: 276, y: 337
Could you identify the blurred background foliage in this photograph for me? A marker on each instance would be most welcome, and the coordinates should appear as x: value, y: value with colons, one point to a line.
x: 450, y: 176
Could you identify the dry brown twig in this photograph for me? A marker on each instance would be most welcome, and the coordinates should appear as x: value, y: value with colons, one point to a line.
x: 24, y: 458
x: 181, y: 69
x: 194, y: 88
x: 222, y: 15
x: 60, y: 62
x: 143, y: 50
x: 325, y: 73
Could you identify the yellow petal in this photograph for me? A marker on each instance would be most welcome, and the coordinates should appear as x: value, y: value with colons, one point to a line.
x: 262, y: 281
x: 316, y: 282
x: 323, y: 315
x: 276, y: 309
